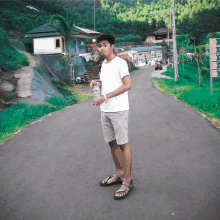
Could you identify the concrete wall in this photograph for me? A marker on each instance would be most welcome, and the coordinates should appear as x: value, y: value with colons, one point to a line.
x: 47, y: 45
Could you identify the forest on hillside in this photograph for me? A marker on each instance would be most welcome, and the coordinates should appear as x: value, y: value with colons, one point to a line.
x: 122, y: 17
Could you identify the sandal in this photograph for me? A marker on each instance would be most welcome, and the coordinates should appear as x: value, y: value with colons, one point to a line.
x: 118, y: 180
x: 128, y: 189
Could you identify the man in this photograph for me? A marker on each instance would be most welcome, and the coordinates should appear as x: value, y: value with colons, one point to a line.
x: 114, y: 106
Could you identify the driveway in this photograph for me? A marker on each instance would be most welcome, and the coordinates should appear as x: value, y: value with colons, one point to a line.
x: 50, y: 170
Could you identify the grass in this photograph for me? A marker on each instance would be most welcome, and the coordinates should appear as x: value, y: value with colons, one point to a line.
x: 19, y: 115
x: 188, y: 91
x: 135, y: 68
x: 79, y: 95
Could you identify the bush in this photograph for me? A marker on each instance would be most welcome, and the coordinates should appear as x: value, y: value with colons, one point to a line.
x: 10, y: 59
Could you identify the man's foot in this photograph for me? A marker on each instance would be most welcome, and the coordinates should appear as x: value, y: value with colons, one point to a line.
x: 112, y: 180
x: 126, y: 187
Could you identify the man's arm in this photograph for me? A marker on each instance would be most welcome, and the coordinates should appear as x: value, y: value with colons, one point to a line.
x: 125, y: 87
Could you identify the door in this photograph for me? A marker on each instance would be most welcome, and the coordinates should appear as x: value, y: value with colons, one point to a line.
x: 63, y: 45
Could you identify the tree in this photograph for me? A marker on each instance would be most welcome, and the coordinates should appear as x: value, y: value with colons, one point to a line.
x: 64, y: 27
x: 183, y: 57
x: 199, y: 56
x: 196, y: 33
x: 153, y: 25
x: 182, y: 40
x: 196, y: 38
x: 161, y: 24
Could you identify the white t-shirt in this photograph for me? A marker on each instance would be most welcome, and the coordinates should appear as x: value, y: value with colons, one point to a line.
x: 111, y: 77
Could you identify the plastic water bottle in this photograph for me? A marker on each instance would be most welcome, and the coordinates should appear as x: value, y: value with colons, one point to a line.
x: 97, y: 91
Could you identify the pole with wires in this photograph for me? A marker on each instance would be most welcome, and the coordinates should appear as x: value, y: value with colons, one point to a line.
x: 94, y: 15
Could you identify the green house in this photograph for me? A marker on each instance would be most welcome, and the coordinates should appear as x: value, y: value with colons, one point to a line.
x: 47, y: 40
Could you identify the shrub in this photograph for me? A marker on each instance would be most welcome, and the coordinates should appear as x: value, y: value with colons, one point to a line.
x: 10, y: 59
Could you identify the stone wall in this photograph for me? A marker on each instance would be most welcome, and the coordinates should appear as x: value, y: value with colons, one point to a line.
x: 92, y: 72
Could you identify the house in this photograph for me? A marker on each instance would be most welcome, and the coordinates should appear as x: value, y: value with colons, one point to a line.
x: 47, y: 40
x: 160, y: 35
x: 150, y: 38
x: 143, y: 55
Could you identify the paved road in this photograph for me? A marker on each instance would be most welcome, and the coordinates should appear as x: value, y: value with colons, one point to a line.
x: 51, y: 169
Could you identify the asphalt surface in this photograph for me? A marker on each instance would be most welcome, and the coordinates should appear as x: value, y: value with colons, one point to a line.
x: 51, y: 169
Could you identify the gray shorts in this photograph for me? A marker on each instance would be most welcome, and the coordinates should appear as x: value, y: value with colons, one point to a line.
x: 115, y: 126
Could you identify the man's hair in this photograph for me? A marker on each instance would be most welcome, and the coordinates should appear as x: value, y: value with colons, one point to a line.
x: 107, y: 37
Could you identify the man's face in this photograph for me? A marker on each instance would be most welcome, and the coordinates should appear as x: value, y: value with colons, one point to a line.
x: 104, y: 48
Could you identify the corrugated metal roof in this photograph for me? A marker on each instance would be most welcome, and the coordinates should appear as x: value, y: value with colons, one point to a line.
x: 43, y: 35
x: 146, y: 48
x: 48, y: 30
x: 162, y: 31
x: 87, y: 31
x: 83, y: 36
x: 42, y: 29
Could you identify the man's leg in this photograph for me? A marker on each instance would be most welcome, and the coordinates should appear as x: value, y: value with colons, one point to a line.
x: 117, y: 157
x: 127, y: 160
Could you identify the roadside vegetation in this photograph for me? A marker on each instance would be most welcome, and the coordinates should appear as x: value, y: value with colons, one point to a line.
x: 189, y: 90
x: 193, y: 85
x: 13, y: 118
x: 10, y: 58
x: 135, y: 68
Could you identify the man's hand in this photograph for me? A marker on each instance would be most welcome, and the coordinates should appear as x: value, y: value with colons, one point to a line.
x: 99, y: 100
x: 92, y: 83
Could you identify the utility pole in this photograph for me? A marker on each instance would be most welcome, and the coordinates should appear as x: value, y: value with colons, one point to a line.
x: 168, y: 34
x: 94, y: 15
x: 174, y: 43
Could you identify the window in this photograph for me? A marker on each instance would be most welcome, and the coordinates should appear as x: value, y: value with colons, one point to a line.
x: 57, y: 43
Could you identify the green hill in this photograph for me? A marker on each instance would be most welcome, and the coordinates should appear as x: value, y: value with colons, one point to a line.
x: 112, y: 16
